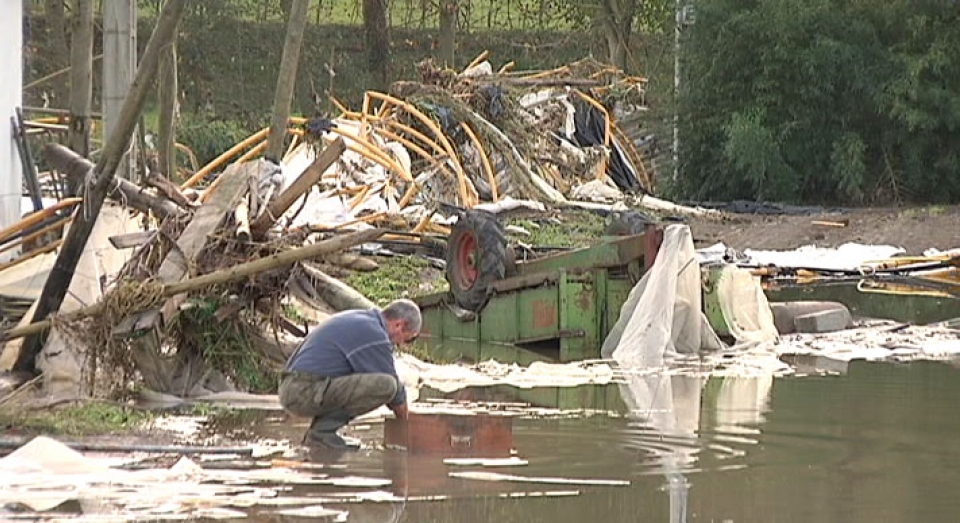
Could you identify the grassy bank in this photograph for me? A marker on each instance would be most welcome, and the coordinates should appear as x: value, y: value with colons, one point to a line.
x: 85, y: 419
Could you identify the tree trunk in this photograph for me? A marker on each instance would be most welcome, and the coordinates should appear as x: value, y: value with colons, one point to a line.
x: 378, y: 40
x: 287, y: 79
x: 57, y: 36
x: 617, y: 17
x: 449, y: 10
x: 81, y: 81
x: 167, y: 82
x: 102, y: 181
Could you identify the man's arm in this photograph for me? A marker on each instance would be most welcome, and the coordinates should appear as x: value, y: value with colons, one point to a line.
x: 377, y: 357
x: 400, y: 411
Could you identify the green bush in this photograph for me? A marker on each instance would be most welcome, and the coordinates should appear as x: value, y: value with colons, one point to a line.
x: 210, y: 138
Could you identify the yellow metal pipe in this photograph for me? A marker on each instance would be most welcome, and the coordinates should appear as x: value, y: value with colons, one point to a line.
x: 247, y: 156
x: 415, y: 148
x: 53, y: 226
x: 420, y: 136
x: 373, y: 153
x: 487, y: 168
x: 481, y: 57
x: 543, y: 74
x: 366, y: 219
x: 384, y: 109
x: 360, y: 198
x: 223, y: 158
x: 409, y: 194
x: 32, y: 254
x: 343, y: 109
x: 293, y: 144
x: 36, y: 217
x: 410, y: 108
x: 422, y: 224
x: 252, y: 153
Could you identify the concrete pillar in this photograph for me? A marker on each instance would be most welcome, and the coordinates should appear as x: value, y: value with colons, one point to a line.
x: 119, y: 68
x: 11, y: 87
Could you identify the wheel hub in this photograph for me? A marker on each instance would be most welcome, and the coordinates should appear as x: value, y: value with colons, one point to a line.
x: 467, y: 258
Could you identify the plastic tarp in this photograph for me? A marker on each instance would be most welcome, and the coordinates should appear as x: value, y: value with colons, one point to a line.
x: 62, y: 359
x: 745, y: 308
x: 662, y: 316
x: 590, y: 131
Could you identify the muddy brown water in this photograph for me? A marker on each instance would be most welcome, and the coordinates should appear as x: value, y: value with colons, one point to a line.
x: 876, y: 442
x: 869, y: 442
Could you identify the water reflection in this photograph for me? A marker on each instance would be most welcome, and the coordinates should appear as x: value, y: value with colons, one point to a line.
x: 670, y: 412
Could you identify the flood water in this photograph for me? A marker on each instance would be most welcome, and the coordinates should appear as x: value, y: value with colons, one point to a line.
x: 857, y: 442
x: 876, y: 443
x: 866, y: 442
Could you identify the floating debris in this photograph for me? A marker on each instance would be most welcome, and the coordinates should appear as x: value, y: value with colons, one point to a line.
x: 493, y: 476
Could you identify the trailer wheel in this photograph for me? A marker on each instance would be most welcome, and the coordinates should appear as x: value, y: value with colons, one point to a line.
x: 476, y: 257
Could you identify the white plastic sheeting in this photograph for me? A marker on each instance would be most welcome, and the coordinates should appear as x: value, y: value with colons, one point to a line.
x: 745, y: 308
x: 45, y: 473
x: 61, y: 359
x: 662, y: 316
x: 352, y: 170
x: 11, y: 82
x: 847, y: 257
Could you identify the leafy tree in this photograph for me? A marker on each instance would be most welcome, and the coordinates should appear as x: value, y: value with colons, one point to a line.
x: 822, y: 100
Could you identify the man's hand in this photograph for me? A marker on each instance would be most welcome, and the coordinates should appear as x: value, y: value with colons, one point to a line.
x: 400, y: 411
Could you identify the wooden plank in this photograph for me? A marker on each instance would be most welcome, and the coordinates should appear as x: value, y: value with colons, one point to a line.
x: 131, y: 240
x: 205, y: 221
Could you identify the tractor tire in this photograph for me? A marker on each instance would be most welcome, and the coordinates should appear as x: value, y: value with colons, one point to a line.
x: 476, y: 258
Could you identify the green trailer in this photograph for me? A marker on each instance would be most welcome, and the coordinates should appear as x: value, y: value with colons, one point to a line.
x: 556, y: 308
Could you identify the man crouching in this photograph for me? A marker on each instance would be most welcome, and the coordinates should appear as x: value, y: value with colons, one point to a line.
x: 344, y: 368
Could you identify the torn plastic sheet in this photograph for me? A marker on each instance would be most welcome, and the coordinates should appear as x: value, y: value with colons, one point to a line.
x: 448, y: 378
x: 878, y: 341
x: 847, y: 257
x: 494, y: 476
x: 44, y: 474
x: 486, y: 462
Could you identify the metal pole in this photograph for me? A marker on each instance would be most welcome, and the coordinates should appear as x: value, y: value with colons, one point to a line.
x: 676, y: 90
x: 119, y: 66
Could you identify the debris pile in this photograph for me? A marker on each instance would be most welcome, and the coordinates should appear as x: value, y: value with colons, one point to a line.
x: 200, y: 302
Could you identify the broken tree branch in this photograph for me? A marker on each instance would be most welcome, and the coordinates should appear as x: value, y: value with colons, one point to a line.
x: 334, y: 292
x: 238, y: 272
x: 78, y: 168
x: 242, y: 217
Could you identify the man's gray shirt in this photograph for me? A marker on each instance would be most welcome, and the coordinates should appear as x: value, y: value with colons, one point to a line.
x: 350, y: 342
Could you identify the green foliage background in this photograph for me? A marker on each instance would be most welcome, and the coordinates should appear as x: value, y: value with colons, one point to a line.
x: 849, y: 101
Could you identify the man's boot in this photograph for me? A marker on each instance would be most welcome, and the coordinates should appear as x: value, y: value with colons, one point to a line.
x: 323, y: 432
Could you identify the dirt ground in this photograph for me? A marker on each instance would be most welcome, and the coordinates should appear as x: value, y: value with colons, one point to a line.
x: 916, y: 229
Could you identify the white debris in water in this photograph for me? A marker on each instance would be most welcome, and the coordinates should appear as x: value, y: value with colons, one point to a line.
x: 185, y: 427
x: 493, y: 476
x: 486, y: 462
x: 219, y: 513
x: 546, y: 494
x: 448, y: 378
x: 316, y: 511
x: 877, y: 341
x: 357, y: 481
x: 268, y: 447
x: 46, y: 473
